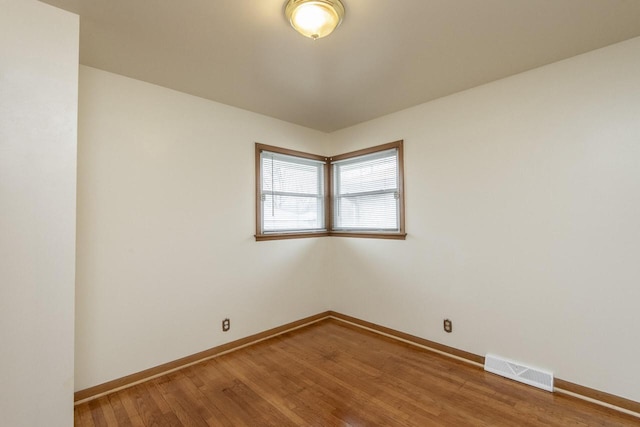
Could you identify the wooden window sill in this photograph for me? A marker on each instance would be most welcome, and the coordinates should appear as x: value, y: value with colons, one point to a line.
x: 282, y: 236
x: 393, y: 236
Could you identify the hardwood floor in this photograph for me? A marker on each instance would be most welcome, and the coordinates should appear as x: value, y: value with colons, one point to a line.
x: 334, y: 374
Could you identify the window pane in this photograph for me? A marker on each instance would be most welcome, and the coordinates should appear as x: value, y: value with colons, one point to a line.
x: 366, y: 192
x: 369, y: 212
x: 368, y: 173
x: 292, y: 213
x: 292, y: 193
x: 290, y: 175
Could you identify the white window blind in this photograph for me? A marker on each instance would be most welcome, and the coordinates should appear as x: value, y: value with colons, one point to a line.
x: 366, y: 193
x: 292, y: 193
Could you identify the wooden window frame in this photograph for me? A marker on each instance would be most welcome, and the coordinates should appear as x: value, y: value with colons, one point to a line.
x: 401, y: 233
x: 328, y: 194
x: 289, y: 234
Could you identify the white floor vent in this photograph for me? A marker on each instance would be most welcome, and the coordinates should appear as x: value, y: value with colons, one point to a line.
x: 516, y: 371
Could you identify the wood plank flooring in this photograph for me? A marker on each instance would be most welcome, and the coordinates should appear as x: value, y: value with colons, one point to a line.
x: 334, y: 374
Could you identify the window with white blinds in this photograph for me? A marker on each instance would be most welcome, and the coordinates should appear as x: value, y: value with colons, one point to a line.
x: 358, y: 194
x: 292, y: 193
x: 366, y: 193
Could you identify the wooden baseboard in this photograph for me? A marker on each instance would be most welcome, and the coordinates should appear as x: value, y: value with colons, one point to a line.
x: 605, y: 399
x: 412, y: 339
x: 148, y: 374
x: 618, y: 403
x: 596, y: 396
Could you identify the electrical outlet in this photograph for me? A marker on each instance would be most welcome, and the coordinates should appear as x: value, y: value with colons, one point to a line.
x: 226, y: 325
x: 448, y: 326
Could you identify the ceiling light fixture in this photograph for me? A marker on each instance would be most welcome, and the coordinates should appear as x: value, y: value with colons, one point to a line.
x: 314, y: 18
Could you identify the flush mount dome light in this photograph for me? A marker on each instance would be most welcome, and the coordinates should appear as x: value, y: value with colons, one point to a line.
x: 314, y: 18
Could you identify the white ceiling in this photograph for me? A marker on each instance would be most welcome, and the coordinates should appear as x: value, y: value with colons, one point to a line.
x: 386, y: 56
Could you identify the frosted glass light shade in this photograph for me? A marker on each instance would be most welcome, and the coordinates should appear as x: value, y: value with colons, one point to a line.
x: 314, y: 18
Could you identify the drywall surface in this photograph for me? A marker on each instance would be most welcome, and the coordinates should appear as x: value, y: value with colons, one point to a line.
x: 38, y: 142
x: 166, y: 218
x: 522, y: 211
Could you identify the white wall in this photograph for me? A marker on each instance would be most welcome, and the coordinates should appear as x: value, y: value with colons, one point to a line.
x: 523, y: 214
x: 523, y: 199
x: 166, y: 217
x: 38, y: 134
